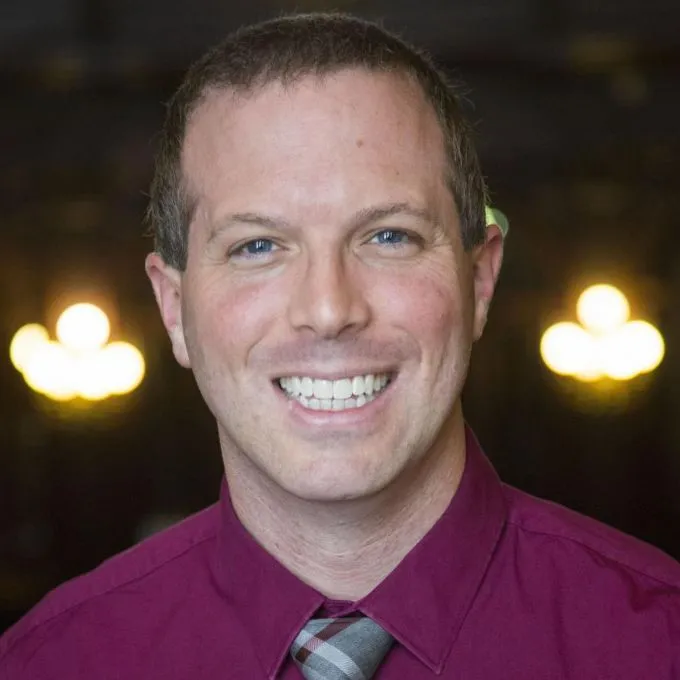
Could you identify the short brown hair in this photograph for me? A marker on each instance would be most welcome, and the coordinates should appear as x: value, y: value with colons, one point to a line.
x: 284, y: 50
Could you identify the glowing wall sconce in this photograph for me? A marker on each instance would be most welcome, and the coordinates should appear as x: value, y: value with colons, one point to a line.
x: 605, y: 344
x: 81, y: 362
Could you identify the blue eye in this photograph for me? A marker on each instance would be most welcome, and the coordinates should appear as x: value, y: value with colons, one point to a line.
x: 391, y: 237
x: 254, y: 248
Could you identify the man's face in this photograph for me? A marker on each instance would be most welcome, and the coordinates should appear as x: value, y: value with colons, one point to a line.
x: 327, y: 308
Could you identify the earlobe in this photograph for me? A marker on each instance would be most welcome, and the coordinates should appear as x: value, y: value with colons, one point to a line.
x: 487, y: 266
x: 166, y: 282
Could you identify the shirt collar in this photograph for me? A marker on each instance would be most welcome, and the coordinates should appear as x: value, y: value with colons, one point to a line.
x: 423, y: 602
x: 272, y: 603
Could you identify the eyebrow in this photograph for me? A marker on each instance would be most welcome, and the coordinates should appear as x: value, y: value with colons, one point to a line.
x: 380, y: 212
x: 232, y: 219
x: 361, y: 218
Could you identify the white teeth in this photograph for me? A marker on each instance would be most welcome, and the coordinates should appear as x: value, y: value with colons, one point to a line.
x: 334, y: 395
x: 342, y: 389
x: 323, y: 389
x: 307, y: 387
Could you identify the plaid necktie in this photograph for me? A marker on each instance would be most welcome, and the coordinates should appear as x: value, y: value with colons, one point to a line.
x: 340, y: 649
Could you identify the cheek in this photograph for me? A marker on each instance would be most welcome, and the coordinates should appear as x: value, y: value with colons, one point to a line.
x: 227, y: 321
x: 427, y: 307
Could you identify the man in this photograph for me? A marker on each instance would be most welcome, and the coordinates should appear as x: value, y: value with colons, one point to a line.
x: 323, y: 265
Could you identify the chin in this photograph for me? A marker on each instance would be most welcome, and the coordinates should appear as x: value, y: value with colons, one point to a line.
x: 337, y: 495
x: 333, y: 487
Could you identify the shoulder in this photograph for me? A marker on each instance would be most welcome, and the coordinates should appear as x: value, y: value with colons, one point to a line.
x: 583, y: 599
x: 597, y: 592
x: 591, y: 543
x: 152, y: 565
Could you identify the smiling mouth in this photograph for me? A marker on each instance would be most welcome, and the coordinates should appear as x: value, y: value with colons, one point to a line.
x: 334, y: 395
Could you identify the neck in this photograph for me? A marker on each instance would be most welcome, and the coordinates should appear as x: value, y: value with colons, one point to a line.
x: 344, y: 549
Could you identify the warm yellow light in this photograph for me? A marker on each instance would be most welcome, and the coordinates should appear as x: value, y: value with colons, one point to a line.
x: 81, y: 363
x: 124, y: 367
x: 616, y: 356
x: 602, y: 308
x: 90, y: 377
x: 50, y: 371
x: 645, y: 343
x: 26, y: 341
x: 568, y: 349
x: 589, y: 369
x: 83, y: 327
x: 606, y: 344
x: 622, y: 354
x: 589, y: 375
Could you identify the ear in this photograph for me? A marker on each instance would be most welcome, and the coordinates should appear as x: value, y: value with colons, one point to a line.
x: 486, y: 261
x: 166, y: 282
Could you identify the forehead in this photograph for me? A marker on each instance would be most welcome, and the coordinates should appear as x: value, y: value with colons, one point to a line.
x: 347, y: 124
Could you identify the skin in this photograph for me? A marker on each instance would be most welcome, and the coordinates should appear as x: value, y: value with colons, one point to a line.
x: 326, y: 243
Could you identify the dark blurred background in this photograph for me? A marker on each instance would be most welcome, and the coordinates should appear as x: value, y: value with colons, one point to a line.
x: 576, y: 104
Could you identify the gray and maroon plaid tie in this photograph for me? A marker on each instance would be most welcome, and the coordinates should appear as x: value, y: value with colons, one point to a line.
x: 340, y: 649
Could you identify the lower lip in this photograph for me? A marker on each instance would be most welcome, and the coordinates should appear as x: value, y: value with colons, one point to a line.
x: 351, y: 416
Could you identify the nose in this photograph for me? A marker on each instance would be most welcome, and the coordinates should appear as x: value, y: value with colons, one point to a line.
x: 328, y: 300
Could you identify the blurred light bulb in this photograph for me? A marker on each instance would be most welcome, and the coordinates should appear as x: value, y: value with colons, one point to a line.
x: 567, y: 349
x: 26, y: 341
x: 124, y: 367
x: 615, y: 355
x: 90, y: 376
x: 645, y: 345
x: 602, y: 308
x: 83, y: 327
x: 589, y: 374
x: 50, y: 371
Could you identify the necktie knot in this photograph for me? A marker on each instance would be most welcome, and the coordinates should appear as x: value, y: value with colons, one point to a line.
x: 340, y: 649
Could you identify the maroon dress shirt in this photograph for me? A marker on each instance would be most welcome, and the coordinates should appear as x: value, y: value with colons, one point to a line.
x: 503, y: 586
